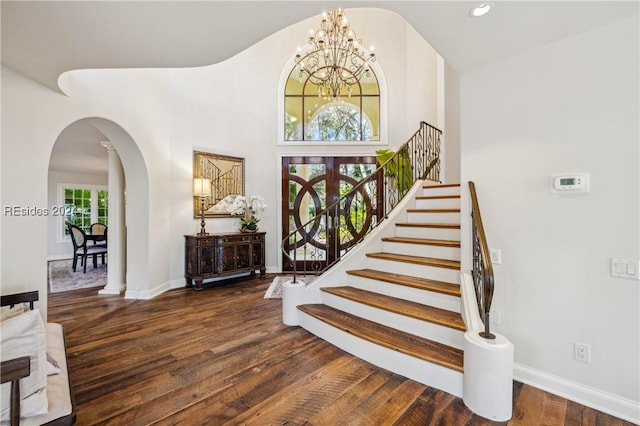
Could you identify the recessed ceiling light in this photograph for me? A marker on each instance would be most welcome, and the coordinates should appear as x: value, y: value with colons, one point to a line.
x: 480, y: 10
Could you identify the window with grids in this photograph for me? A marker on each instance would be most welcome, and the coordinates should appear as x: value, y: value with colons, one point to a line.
x: 83, y: 205
x: 353, y: 115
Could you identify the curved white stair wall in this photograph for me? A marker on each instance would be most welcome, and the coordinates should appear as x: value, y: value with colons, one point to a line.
x: 432, y: 233
x: 438, y: 300
x: 413, y: 368
x: 421, y: 328
x: 433, y: 217
x: 435, y: 273
x: 438, y: 203
x: 432, y: 374
x: 440, y: 252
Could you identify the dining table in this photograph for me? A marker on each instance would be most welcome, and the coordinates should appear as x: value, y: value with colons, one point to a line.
x: 97, y: 238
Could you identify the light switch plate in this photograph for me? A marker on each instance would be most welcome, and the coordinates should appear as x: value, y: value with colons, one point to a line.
x: 625, y: 268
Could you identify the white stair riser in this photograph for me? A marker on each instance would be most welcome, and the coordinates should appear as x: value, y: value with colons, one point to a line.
x: 428, y: 330
x: 413, y: 368
x: 421, y: 217
x: 425, y: 297
x: 439, y: 252
x: 433, y: 233
x: 423, y: 271
x: 447, y: 190
x: 438, y: 203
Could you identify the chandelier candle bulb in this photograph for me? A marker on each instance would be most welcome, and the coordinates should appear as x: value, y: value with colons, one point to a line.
x: 335, y: 60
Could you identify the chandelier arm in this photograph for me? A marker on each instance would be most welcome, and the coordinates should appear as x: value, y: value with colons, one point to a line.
x: 336, y: 58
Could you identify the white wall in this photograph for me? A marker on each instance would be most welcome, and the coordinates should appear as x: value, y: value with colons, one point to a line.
x: 64, y: 249
x: 32, y: 118
x: 568, y: 106
x: 451, y: 130
x: 420, y: 91
x: 156, y: 118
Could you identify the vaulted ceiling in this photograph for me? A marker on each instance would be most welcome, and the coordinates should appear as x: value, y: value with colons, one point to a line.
x: 43, y: 39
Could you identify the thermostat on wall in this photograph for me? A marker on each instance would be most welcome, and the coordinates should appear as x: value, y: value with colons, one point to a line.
x: 574, y: 183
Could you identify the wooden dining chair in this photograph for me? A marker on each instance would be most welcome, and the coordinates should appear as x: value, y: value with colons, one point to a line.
x: 99, y: 229
x: 82, y: 250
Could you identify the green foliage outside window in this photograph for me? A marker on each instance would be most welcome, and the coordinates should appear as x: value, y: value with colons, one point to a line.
x: 338, y: 123
x: 357, y: 206
x: 81, y: 209
x: 103, y: 207
x: 77, y: 204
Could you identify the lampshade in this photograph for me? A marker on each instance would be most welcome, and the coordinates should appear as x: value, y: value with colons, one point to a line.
x: 201, y: 187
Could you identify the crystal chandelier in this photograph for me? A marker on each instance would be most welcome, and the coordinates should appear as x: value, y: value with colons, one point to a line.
x: 336, y: 60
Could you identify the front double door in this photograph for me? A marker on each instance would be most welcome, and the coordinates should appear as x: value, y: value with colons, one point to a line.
x: 309, y: 186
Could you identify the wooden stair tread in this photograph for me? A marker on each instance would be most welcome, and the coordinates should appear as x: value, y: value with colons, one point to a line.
x: 400, y: 306
x: 419, y: 260
x: 440, y: 185
x: 435, y: 197
x: 409, y: 281
x: 430, y: 225
x: 422, y: 241
x: 388, y: 337
x: 433, y: 210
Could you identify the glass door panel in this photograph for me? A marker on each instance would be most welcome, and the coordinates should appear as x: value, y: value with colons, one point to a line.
x: 309, y: 185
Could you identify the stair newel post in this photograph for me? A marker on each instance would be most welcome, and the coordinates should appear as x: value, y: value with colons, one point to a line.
x: 482, y: 271
x: 295, y: 259
x: 332, y: 234
x: 488, y: 357
x: 293, y: 290
x: 487, y: 334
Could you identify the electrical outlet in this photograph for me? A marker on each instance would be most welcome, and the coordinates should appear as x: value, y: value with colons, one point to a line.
x: 582, y: 352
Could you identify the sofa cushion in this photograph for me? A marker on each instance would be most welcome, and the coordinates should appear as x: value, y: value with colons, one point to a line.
x: 7, y: 312
x: 24, y: 335
x: 52, y: 365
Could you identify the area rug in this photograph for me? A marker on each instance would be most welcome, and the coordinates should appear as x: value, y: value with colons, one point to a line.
x: 62, y: 278
x: 275, y: 288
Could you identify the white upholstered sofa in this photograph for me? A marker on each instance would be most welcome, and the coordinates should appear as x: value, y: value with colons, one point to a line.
x: 36, y: 387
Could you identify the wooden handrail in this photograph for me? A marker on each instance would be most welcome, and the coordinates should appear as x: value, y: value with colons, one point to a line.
x: 482, y: 271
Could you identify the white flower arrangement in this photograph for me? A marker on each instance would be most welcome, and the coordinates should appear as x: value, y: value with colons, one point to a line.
x: 247, y: 208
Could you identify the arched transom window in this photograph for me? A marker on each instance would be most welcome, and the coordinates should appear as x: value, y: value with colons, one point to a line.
x: 313, y: 114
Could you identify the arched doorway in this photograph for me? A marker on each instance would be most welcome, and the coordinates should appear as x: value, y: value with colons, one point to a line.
x: 129, y: 250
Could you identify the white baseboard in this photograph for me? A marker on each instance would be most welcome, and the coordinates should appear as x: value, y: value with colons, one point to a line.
x: 59, y: 257
x: 112, y: 291
x: 606, y: 402
x: 179, y: 283
x: 136, y: 293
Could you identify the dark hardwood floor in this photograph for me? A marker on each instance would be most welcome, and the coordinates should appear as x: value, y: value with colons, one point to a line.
x: 222, y: 356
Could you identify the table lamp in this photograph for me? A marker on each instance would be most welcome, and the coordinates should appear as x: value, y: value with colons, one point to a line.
x: 202, y: 188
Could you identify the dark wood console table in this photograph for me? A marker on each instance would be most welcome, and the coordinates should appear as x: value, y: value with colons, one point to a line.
x: 219, y: 255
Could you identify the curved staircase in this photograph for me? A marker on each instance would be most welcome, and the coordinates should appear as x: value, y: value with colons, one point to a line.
x: 402, y: 310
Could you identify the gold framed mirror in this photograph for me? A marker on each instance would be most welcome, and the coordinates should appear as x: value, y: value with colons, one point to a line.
x: 226, y: 177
